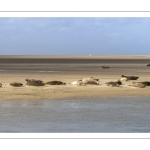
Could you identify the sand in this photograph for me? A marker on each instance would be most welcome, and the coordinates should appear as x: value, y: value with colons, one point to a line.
x: 68, y: 69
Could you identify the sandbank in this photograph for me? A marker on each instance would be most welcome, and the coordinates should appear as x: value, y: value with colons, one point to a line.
x: 69, y: 69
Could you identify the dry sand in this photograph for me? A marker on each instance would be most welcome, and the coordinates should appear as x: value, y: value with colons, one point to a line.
x: 69, y: 69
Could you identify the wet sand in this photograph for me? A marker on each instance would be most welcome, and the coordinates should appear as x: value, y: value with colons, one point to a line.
x: 68, y: 69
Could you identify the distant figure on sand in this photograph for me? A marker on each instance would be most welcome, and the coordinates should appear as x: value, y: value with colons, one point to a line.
x: 16, y: 84
x: 55, y: 83
x: 128, y: 78
x: 33, y: 82
x: 148, y: 65
x: 0, y: 84
x: 114, y: 84
x: 104, y: 67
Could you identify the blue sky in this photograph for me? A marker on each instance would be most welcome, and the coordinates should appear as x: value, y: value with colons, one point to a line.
x: 77, y: 36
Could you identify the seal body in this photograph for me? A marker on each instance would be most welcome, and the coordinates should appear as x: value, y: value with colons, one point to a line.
x: 84, y: 81
x: 79, y: 82
x: 138, y: 84
x: 104, y: 67
x: 55, y: 83
x: 16, y: 84
x: 129, y: 77
x: 89, y: 79
x: 34, y: 82
x: 114, y: 84
x: 94, y: 82
x: 0, y: 84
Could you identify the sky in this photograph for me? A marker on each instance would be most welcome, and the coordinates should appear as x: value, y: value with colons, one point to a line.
x: 74, y: 36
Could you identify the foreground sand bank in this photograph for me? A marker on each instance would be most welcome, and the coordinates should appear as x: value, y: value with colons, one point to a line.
x: 69, y: 72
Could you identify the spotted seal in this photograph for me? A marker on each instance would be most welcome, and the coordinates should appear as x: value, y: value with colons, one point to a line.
x: 34, y: 82
x: 138, y: 84
x: 16, y: 84
x: 114, y: 84
x: 142, y: 84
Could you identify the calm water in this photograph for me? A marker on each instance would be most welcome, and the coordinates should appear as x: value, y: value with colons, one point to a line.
x: 107, y: 115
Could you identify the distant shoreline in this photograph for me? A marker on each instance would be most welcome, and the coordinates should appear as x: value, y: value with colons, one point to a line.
x: 72, y: 59
x: 79, y: 56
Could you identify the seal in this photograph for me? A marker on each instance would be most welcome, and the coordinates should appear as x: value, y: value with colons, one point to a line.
x: 89, y: 79
x: 94, y: 82
x: 79, y: 82
x: 34, y: 82
x: 114, y: 84
x: 16, y: 84
x: 138, y: 84
x: 55, y: 83
x: 128, y: 77
x: 147, y: 83
x: 148, y: 64
x: 0, y: 84
x: 104, y: 67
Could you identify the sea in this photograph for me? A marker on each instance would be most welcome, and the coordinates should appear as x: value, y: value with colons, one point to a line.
x: 129, y: 114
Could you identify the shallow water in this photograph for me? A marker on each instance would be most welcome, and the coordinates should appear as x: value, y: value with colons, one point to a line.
x: 107, y: 115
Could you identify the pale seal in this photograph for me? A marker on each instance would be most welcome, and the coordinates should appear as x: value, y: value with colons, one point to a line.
x: 79, y: 82
x: 89, y: 79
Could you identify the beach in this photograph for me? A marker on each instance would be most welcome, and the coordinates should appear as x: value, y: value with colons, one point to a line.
x: 68, y: 69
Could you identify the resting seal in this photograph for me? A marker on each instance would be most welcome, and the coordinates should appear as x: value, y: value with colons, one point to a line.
x: 138, y: 84
x: 55, y: 83
x: 79, y: 82
x: 84, y: 81
x: 114, y: 84
x: 128, y: 78
x: 33, y: 82
x: 0, y: 84
x: 89, y: 79
x: 94, y: 82
x: 104, y: 67
x: 16, y: 84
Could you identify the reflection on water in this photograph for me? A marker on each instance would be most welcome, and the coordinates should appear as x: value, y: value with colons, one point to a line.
x: 123, y: 114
